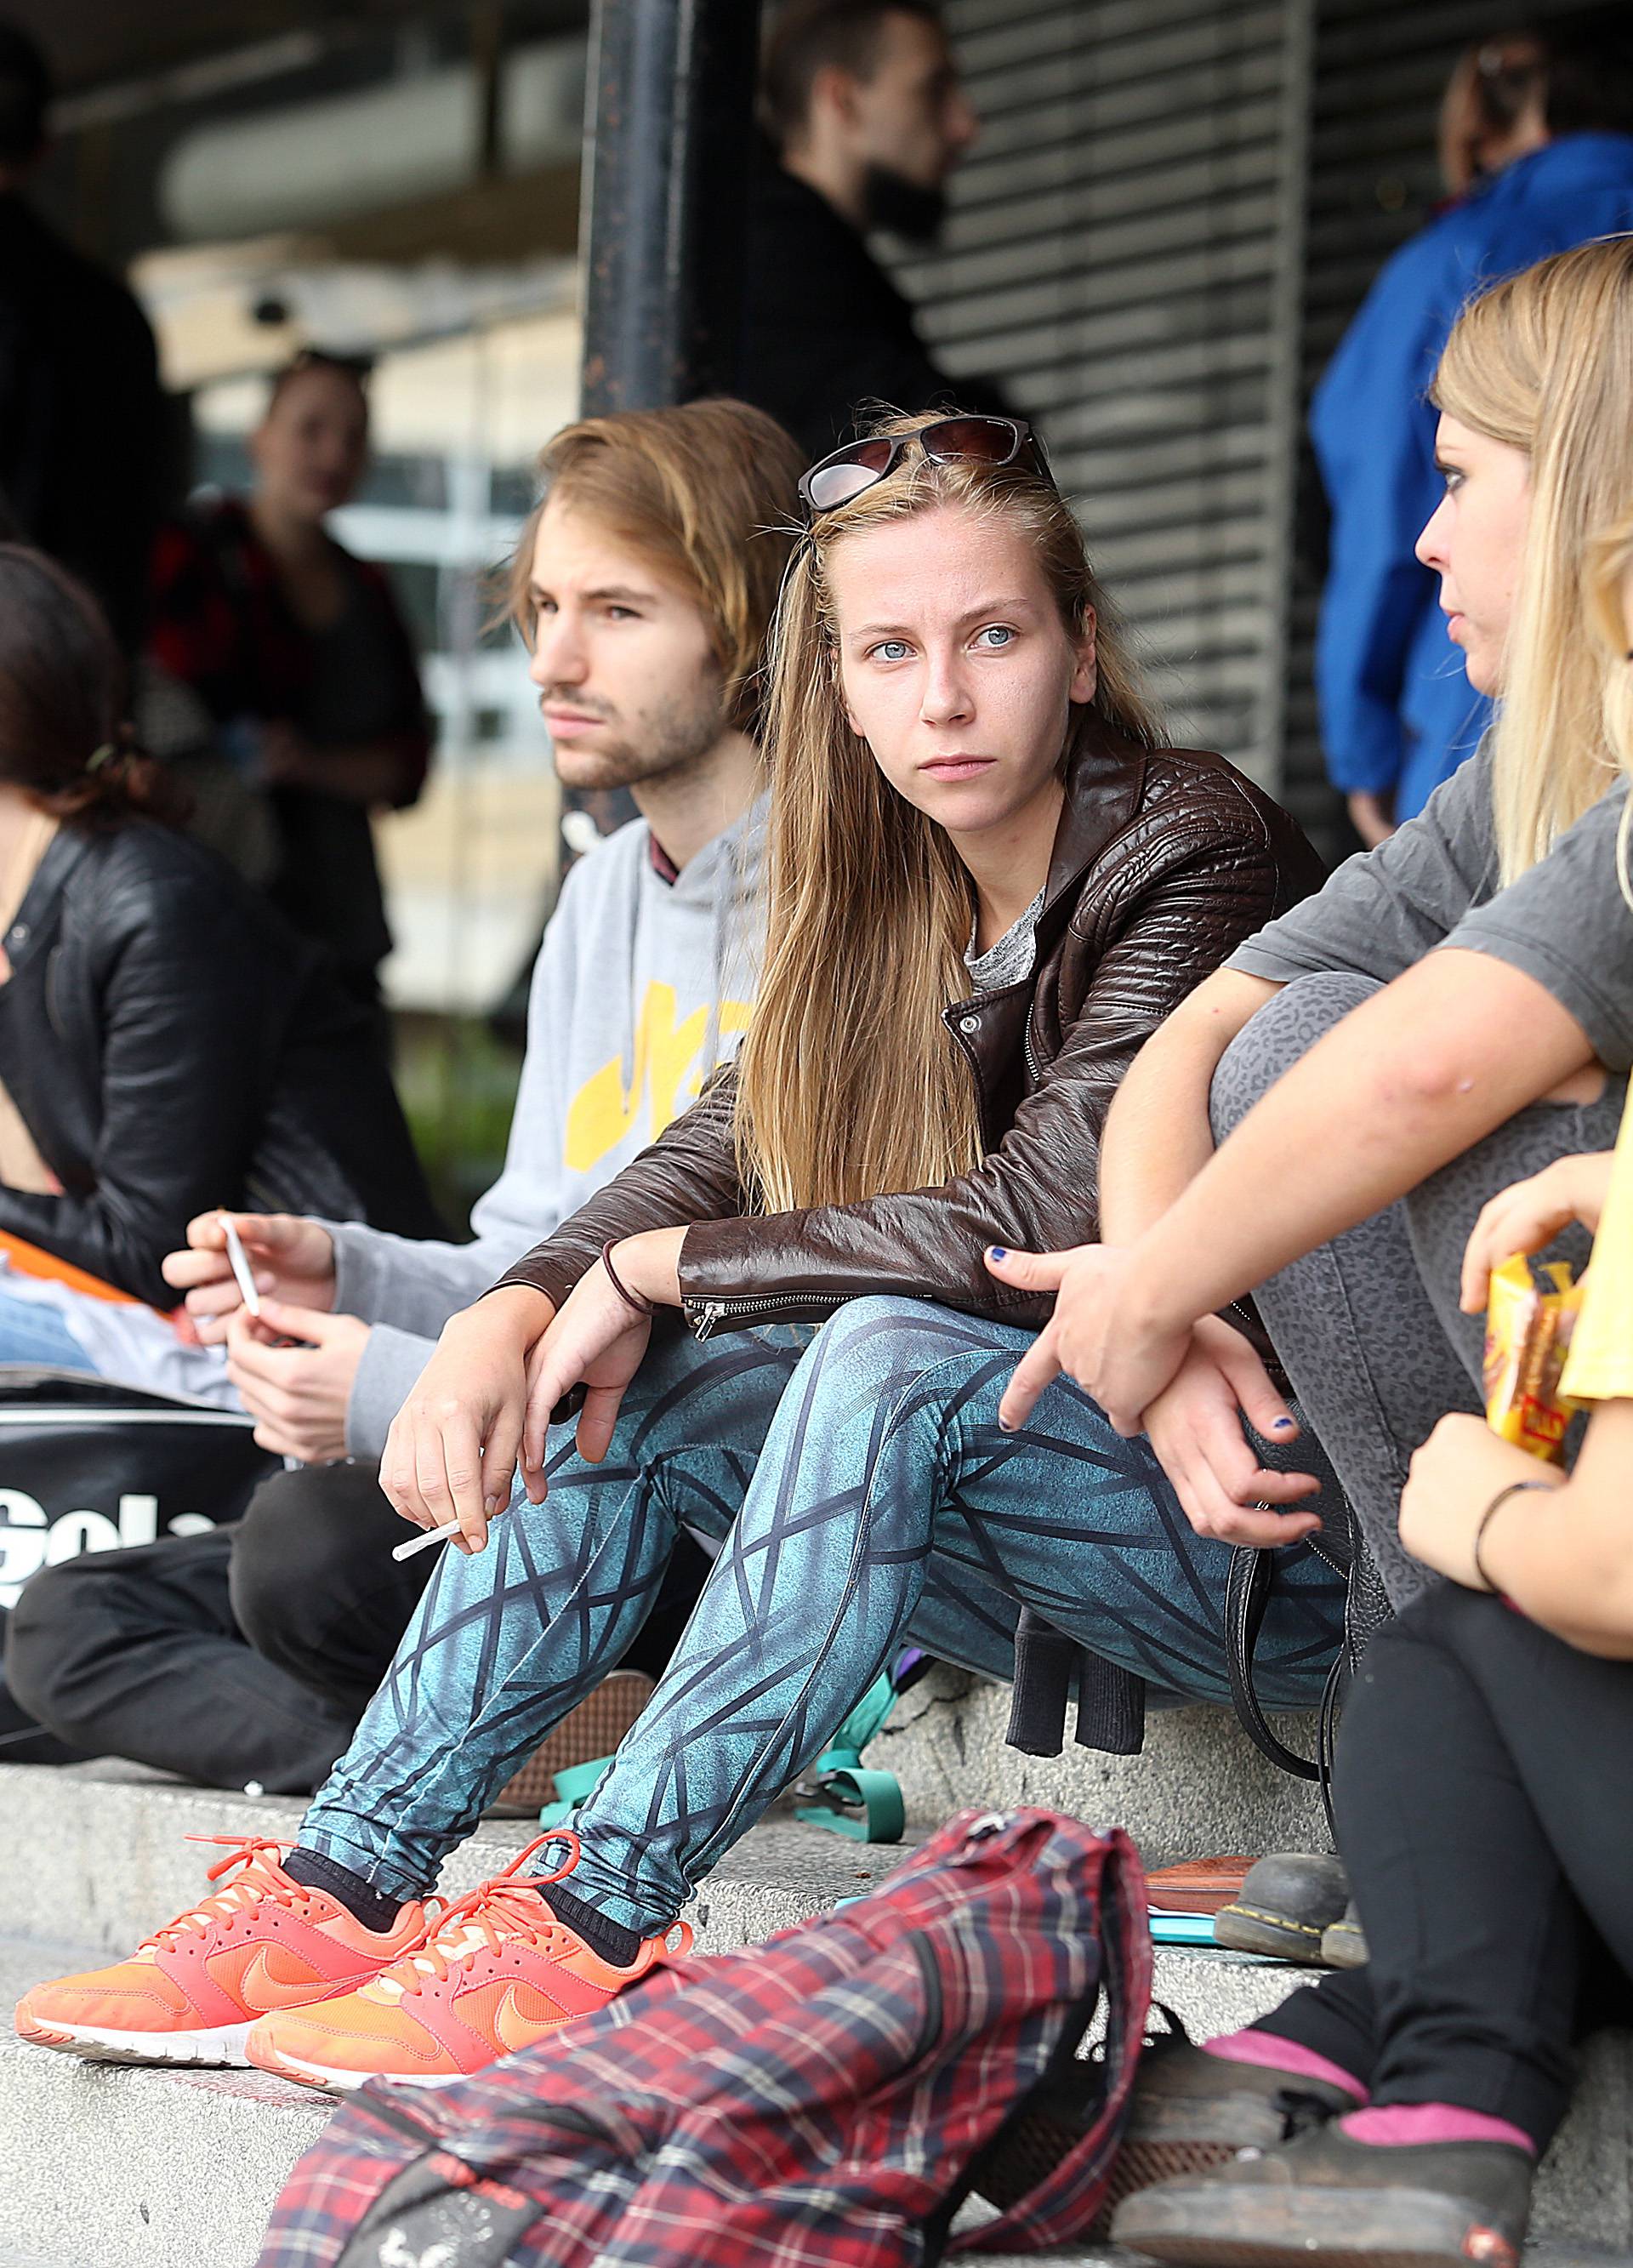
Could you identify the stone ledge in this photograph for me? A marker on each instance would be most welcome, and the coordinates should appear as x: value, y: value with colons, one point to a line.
x: 1200, y: 1787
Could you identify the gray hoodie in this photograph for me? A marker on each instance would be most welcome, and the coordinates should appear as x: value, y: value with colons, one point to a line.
x: 642, y: 986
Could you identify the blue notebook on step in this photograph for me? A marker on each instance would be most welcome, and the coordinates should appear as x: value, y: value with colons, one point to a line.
x: 1181, y: 1929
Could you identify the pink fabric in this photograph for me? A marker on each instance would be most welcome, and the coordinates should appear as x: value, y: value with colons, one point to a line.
x: 1396, y: 2123
x: 1263, y: 2048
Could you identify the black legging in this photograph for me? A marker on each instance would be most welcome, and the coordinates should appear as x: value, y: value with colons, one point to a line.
x: 1484, y: 1797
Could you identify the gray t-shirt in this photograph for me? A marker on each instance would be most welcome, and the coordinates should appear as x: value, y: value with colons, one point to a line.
x: 1434, y: 883
x: 1009, y: 958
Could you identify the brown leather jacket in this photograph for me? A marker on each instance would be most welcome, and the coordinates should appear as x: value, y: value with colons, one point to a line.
x: 1165, y: 860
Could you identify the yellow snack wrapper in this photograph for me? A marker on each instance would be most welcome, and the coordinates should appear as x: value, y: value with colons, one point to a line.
x: 1532, y: 1311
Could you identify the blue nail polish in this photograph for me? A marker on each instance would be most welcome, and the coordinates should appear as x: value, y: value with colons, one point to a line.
x: 997, y: 1252
x: 1281, y: 1426
x: 1004, y: 1426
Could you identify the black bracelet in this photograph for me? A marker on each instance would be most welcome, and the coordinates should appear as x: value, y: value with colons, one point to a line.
x: 1514, y: 1488
x: 630, y: 1298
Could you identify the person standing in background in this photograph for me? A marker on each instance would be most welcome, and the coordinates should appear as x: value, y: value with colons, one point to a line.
x: 1537, y: 147
x: 83, y: 426
x: 300, y: 656
x: 867, y: 118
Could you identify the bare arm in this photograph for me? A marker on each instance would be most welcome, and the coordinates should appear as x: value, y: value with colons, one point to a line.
x: 1567, y: 1560
x: 382, y: 775
x: 1158, y: 1137
x: 1561, y: 1550
x: 1407, y: 1082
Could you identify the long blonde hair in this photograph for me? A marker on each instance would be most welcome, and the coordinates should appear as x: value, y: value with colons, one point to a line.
x: 850, y: 1083
x: 1544, y: 362
x: 1607, y: 580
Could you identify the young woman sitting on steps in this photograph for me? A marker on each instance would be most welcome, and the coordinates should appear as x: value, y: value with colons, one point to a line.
x: 988, y: 881
x: 1487, y: 1859
x: 1491, y: 1864
x: 1451, y: 1010
x: 165, y: 1043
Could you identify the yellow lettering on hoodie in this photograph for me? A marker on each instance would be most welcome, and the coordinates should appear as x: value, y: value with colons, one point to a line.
x: 667, y: 1075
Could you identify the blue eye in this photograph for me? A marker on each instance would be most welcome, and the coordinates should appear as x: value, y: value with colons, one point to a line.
x: 888, y: 650
x: 1000, y: 633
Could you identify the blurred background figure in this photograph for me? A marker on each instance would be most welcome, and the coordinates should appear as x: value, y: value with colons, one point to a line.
x: 1492, y: 110
x: 867, y: 120
x: 1536, y: 148
x: 303, y: 664
x: 166, y: 1045
x: 82, y: 427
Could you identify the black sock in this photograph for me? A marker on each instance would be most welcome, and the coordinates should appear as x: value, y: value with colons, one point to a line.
x: 371, y: 1907
x: 614, y: 1944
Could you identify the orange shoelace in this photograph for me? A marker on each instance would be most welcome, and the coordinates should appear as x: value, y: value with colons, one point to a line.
x: 483, y: 1920
x: 506, y: 1906
x: 254, y: 1885
x: 261, y: 1881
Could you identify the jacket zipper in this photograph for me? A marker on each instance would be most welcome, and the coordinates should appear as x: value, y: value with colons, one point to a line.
x: 707, y: 1316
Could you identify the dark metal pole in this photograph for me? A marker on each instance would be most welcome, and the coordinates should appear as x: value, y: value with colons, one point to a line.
x: 488, y: 62
x: 667, y: 185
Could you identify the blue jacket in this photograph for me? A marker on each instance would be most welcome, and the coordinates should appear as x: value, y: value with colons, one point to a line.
x: 1397, y: 712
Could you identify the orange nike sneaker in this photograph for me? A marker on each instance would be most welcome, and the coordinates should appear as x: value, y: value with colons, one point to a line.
x: 191, y: 1991
x: 499, y: 1972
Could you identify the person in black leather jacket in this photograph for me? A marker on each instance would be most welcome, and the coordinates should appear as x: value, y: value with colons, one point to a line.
x: 166, y: 1042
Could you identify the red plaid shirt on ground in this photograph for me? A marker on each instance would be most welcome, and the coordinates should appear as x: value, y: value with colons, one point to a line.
x: 818, y: 2102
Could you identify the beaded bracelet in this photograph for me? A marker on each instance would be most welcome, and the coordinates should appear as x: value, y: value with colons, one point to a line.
x: 630, y: 1298
x: 1513, y: 1488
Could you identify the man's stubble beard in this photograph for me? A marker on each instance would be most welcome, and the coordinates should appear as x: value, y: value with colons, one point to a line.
x: 904, y: 208
x: 675, y: 739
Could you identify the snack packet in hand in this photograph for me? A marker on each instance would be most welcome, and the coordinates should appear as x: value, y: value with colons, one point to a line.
x: 1529, y: 1318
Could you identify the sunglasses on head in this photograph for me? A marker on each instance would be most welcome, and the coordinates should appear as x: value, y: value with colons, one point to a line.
x: 848, y: 472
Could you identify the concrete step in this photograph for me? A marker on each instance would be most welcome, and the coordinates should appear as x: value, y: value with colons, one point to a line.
x: 103, y: 1850
x: 1199, y: 1786
x: 154, y: 2168
x: 127, y: 2169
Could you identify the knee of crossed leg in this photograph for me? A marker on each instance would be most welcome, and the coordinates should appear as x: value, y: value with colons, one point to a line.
x: 1285, y: 1028
x: 291, y: 1547
x: 53, y: 1634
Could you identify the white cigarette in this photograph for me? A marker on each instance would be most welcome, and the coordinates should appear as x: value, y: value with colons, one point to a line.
x: 241, y: 1268
x: 424, y: 1542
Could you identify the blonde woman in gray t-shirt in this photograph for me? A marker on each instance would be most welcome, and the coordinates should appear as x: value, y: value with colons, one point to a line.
x: 1451, y: 1014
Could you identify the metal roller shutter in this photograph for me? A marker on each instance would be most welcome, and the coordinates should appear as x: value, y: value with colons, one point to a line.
x: 1125, y: 256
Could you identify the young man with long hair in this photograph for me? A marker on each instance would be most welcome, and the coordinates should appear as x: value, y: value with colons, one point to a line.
x: 643, y: 584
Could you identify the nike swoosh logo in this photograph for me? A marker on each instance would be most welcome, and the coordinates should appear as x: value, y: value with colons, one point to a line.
x: 262, y: 1990
x: 513, y: 2029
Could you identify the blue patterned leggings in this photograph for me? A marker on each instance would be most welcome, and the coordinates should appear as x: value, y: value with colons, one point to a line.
x: 863, y: 1495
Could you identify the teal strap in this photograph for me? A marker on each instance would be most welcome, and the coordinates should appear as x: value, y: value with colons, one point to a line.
x: 865, y: 1805
x: 572, y: 1787
x: 865, y: 1720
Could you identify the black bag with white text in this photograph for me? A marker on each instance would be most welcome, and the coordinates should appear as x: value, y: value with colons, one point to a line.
x: 87, y: 1464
